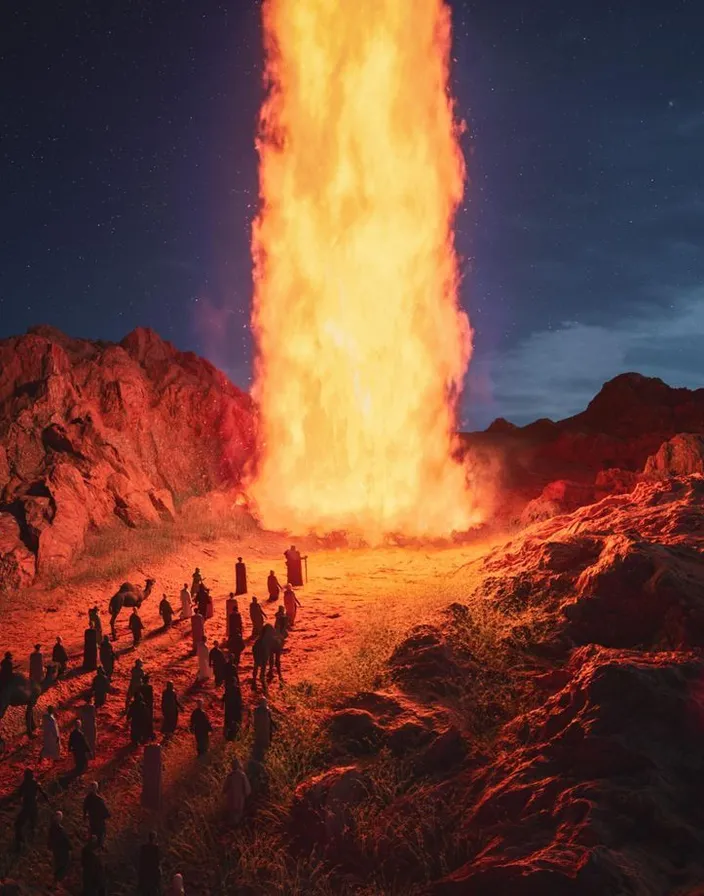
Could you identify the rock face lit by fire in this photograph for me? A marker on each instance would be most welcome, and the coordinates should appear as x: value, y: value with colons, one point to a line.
x: 96, y: 433
x: 362, y: 347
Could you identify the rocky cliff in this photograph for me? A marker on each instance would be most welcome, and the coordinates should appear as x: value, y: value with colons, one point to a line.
x: 94, y: 433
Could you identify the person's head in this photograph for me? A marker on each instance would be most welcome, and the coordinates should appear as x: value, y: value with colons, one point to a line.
x: 177, y: 884
x: 146, y: 678
x: 185, y: 585
x: 95, y: 609
x: 199, y: 704
x: 198, y: 569
x: 89, y: 700
x: 152, y: 836
x: 236, y: 764
x: 239, y: 559
x: 138, y: 662
x: 100, y: 670
x: 271, y: 572
x: 263, y: 701
x: 169, y: 685
x: 216, y: 644
x: 50, y: 710
x: 281, y: 609
x: 58, y: 639
x: 28, y: 774
x: 37, y: 647
x: 254, y: 600
x: 58, y: 816
x: 134, y: 611
x: 94, y: 787
x: 204, y: 640
x: 77, y: 724
x: 8, y: 655
x: 293, y: 547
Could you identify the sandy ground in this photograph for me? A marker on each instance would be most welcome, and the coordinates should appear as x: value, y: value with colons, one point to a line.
x: 348, y: 590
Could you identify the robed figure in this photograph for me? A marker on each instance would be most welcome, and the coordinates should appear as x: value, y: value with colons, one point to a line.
x: 90, y: 650
x: 240, y: 577
x: 294, y: 567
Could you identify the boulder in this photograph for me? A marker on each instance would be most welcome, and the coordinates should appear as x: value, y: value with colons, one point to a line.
x: 681, y: 456
x: 322, y: 812
x: 17, y: 562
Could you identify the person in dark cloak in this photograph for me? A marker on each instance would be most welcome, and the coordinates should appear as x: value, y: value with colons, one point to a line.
x: 96, y: 811
x: 147, y: 692
x: 275, y: 658
x: 170, y: 708
x: 149, y: 867
x: 260, y: 659
x: 202, y: 600
x: 217, y: 662
x: 294, y: 567
x: 136, y: 627
x: 59, y: 844
x: 230, y: 673
x: 95, y: 622
x: 36, y: 665
x: 7, y: 670
x: 107, y: 656
x: 28, y: 791
x: 100, y: 687
x: 60, y: 657
x: 273, y: 586
x: 138, y: 717
x: 240, y: 577
x: 281, y: 622
x: 90, y: 650
x: 201, y: 728
x: 196, y: 582
x: 236, y: 645
x: 232, y: 700
x: 78, y: 745
x: 166, y: 611
x: 257, y: 615
x: 94, y: 883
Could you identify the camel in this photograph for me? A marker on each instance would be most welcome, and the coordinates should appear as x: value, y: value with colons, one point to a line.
x: 22, y: 691
x: 128, y: 595
x: 263, y: 649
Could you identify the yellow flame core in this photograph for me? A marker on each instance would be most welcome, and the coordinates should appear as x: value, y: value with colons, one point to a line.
x: 361, y: 345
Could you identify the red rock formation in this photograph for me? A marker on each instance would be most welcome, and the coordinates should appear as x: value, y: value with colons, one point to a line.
x: 95, y: 432
x: 680, y: 456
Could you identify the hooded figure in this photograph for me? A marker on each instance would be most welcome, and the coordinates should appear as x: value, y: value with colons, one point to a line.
x: 232, y: 700
x: 107, y: 656
x: 90, y: 649
x: 96, y: 811
x: 166, y: 611
x: 240, y: 577
x: 197, y: 630
x: 217, y: 662
x: 294, y: 569
x: 136, y: 680
x: 273, y: 587
x: 60, y: 657
x: 257, y: 615
x: 170, y: 706
x: 28, y: 791
x: 201, y: 728
x: 100, y: 687
x: 51, y: 744
x: 59, y: 843
x: 87, y: 716
x: 202, y: 598
x: 136, y: 627
x: 263, y: 728
x: 203, y: 655
x: 138, y: 717
x: 196, y: 582
x: 186, y: 603
x: 291, y: 603
x: 36, y: 665
x: 94, y: 621
x: 93, y: 870
x: 149, y: 868
x: 78, y: 745
x: 281, y: 622
x: 237, y: 789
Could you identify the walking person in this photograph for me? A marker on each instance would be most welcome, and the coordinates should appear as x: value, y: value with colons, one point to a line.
x: 232, y: 700
x: 59, y: 843
x: 96, y: 811
x: 136, y: 627
x: 257, y: 616
x: 149, y: 867
x: 107, y: 656
x: 166, y: 611
x: 88, y: 722
x: 201, y: 728
x: 100, y: 687
x: 186, y: 603
x: 273, y: 586
x: 78, y: 745
x: 28, y: 791
x: 60, y: 657
x: 51, y: 736
x: 237, y: 790
x: 170, y: 707
x: 36, y: 665
x: 291, y: 604
x: 240, y: 577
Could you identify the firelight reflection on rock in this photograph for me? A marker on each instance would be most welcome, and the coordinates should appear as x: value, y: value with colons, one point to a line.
x: 361, y: 345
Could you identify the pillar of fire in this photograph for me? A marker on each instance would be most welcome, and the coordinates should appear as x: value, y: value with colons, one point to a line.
x: 361, y: 344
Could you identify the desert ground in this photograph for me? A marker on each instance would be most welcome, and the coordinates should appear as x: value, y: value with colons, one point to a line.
x: 357, y: 604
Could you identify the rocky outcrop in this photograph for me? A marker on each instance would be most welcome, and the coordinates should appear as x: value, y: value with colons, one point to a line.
x: 680, y: 456
x: 94, y: 434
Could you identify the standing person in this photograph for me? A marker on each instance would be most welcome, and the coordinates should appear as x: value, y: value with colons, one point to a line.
x: 136, y: 627
x: 273, y: 587
x: 94, y: 620
x: 201, y: 728
x: 149, y: 867
x: 294, y: 568
x: 100, y: 687
x: 291, y: 603
x: 170, y: 706
x: 51, y: 745
x: 96, y: 811
x: 7, y: 670
x: 136, y: 679
x: 232, y: 700
x: 197, y: 630
x: 203, y: 661
x: 263, y: 728
x: 210, y: 606
x: 257, y: 615
x: 281, y: 622
x: 59, y: 843
x: 90, y: 649
x: 36, y: 665
x: 147, y: 693
x: 202, y: 600
x: 277, y: 646
x: 60, y: 657
x: 93, y: 870
x: 217, y: 663
x: 237, y: 789
x: 28, y: 791
x: 240, y: 577
x: 196, y: 582
x: 177, y: 888
x: 166, y: 611
x: 186, y: 603
x: 107, y: 656
x: 78, y: 745
x: 138, y: 717
x: 87, y: 715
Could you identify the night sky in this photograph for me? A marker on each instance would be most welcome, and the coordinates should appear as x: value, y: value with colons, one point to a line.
x: 128, y: 185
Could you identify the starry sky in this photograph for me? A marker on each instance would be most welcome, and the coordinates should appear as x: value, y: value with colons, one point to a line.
x: 128, y: 185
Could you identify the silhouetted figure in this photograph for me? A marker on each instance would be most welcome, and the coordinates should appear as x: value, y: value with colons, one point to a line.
x: 197, y: 630
x: 257, y: 615
x: 7, y: 670
x: 202, y: 600
x: 232, y: 700
x: 291, y: 603
x: 264, y: 728
x: 96, y: 811
x: 240, y: 577
x: 90, y: 650
x: 149, y: 870
x: 230, y: 673
x: 273, y: 586
x: 36, y: 665
x: 28, y: 791
x: 277, y: 646
x: 217, y: 664
x: 170, y: 707
x: 196, y: 582
x: 93, y: 870
x: 186, y: 603
x: 78, y: 745
x: 107, y: 656
x: 88, y: 721
x: 136, y: 681
x: 139, y: 718
x: 136, y: 627
x: 100, y: 687
x: 60, y: 657
x: 294, y: 567
x: 95, y: 622
x: 201, y: 728
x: 147, y: 693
x: 166, y: 611
x: 59, y: 843
x: 237, y: 789
x: 281, y: 622
x: 203, y: 661
x: 51, y: 736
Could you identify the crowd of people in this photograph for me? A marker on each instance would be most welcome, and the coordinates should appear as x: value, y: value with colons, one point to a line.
x: 219, y: 663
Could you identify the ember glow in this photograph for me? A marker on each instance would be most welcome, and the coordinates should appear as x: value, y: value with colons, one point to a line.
x: 362, y: 347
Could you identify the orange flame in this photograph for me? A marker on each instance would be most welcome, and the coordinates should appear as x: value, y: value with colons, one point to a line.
x: 362, y: 348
